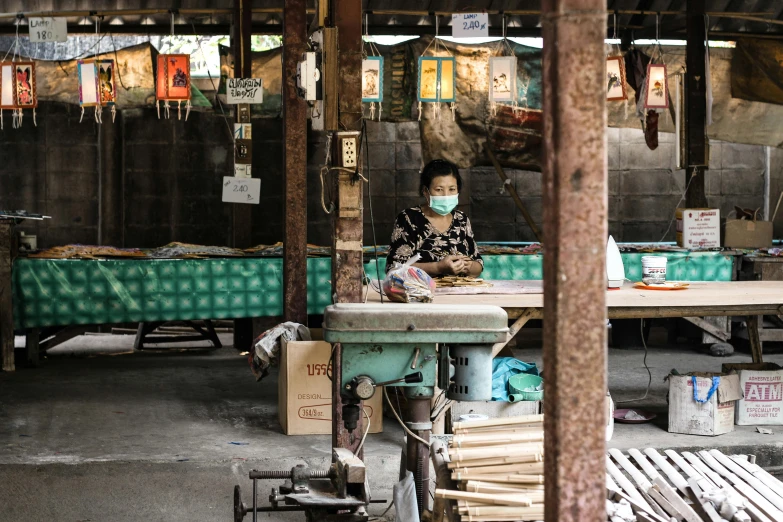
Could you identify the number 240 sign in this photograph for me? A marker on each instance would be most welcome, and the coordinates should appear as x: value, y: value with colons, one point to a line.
x: 470, y: 25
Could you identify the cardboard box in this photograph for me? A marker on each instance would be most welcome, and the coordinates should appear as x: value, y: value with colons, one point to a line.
x: 305, y: 391
x: 762, y: 386
x: 698, y: 227
x: 744, y: 233
x: 714, y: 417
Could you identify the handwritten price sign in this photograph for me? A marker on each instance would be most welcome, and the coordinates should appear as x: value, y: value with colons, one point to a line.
x: 241, y: 190
x: 470, y: 25
x: 48, y: 29
x: 245, y: 90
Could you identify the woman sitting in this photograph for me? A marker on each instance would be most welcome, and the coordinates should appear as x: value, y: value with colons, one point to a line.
x: 435, y: 230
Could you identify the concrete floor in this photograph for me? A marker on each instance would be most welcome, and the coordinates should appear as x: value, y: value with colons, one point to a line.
x: 125, y: 437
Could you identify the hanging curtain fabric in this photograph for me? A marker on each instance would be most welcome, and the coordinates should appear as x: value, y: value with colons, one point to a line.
x: 25, y: 96
x: 173, y: 83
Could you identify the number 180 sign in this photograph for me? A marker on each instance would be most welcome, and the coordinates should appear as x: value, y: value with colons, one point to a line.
x: 48, y: 29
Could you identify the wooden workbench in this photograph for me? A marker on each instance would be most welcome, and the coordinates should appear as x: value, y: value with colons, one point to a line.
x: 731, y: 298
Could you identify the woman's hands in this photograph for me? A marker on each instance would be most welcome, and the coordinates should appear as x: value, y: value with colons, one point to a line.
x: 454, y: 265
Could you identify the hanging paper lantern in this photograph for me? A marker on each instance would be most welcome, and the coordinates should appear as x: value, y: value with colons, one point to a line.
x: 437, y: 81
x: 615, y: 79
x: 657, y: 91
x: 88, y: 87
x: 97, y: 87
x: 173, y: 81
x: 7, y: 86
x: 23, y: 90
x: 502, y: 81
x: 372, y: 83
x: 107, y: 84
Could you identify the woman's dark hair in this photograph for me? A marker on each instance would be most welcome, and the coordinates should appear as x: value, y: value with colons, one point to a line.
x: 435, y: 168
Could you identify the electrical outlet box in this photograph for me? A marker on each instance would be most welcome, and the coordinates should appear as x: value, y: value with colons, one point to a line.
x: 347, y: 153
x: 308, y: 76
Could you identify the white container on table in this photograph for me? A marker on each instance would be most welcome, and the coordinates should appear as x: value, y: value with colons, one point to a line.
x: 654, y: 270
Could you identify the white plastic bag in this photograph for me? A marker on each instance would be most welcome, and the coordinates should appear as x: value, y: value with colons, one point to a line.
x: 407, y: 283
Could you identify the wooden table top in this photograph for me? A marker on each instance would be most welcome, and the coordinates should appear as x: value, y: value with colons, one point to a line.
x: 731, y: 297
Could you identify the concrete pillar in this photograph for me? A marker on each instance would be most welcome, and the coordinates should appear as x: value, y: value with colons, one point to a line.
x: 575, y: 234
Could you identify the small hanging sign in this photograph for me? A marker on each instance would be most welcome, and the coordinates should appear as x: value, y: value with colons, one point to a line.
x: 470, y: 25
x: 48, y: 29
x: 241, y: 190
x: 245, y: 90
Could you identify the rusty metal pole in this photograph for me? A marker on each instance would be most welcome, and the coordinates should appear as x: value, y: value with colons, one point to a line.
x: 295, y: 166
x: 575, y: 234
x: 347, y: 239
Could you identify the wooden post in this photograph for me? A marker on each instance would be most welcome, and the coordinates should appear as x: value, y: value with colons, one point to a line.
x: 696, y: 106
x: 242, y: 222
x: 241, y: 229
x: 347, y: 255
x: 295, y: 166
x: 575, y: 232
x: 6, y: 291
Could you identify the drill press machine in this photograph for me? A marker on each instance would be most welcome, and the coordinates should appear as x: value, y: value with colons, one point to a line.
x: 414, y: 346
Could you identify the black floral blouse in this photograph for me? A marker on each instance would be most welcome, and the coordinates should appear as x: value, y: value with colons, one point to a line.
x: 414, y: 234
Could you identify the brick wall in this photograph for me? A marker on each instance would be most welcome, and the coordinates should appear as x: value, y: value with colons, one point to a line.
x: 158, y: 181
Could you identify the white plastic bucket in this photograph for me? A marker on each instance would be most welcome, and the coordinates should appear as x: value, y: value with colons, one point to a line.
x: 654, y: 270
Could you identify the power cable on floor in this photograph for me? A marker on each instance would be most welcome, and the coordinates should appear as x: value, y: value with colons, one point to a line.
x: 649, y: 373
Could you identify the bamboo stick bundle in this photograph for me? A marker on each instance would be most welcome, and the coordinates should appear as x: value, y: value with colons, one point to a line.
x: 495, y: 438
x: 478, y: 486
x: 531, y: 514
x: 489, y: 452
x: 512, y: 478
x: 525, y: 467
x: 495, y: 511
x: 497, y: 461
x: 484, y: 498
x: 536, y: 497
x: 511, y: 428
x: 504, y: 421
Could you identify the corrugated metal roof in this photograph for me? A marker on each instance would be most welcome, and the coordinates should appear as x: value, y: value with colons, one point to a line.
x: 634, y: 17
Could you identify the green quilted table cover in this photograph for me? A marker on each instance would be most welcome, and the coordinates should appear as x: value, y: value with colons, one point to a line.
x: 53, y: 292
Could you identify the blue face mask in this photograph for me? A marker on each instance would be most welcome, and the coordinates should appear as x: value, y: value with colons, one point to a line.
x: 443, y: 204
